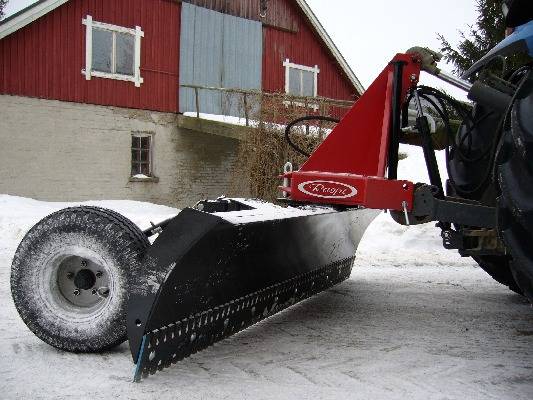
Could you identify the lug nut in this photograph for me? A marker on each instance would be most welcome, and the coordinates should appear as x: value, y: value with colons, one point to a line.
x: 77, y: 292
x: 99, y: 274
x: 70, y: 275
x: 103, y: 291
x: 94, y: 292
x: 84, y: 263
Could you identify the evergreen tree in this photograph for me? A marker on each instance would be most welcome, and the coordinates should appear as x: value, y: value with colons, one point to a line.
x: 487, y: 32
x: 2, y: 5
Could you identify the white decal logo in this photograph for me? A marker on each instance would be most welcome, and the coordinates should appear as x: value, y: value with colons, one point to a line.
x: 327, y: 189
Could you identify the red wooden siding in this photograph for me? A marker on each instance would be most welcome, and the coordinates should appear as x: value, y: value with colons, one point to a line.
x: 45, y: 58
x: 305, y: 48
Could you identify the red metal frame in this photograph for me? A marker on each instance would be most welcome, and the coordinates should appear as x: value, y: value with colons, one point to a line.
x: 349, y: 167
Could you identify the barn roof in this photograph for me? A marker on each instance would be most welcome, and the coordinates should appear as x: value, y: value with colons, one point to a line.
x: 29, y: 14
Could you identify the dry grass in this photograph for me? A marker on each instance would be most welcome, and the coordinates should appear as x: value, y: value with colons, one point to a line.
x: 262, y: 155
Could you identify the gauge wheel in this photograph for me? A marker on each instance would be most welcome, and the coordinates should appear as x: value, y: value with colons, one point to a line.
x: 70, y: 277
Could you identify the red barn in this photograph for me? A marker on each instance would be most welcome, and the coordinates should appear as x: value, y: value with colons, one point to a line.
x: 91, y: 90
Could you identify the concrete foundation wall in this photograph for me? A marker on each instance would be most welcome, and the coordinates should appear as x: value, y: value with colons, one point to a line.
x: 60, y: 151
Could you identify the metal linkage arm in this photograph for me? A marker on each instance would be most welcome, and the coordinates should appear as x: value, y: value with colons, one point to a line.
x: 428, y: 62
x: 451, y: 210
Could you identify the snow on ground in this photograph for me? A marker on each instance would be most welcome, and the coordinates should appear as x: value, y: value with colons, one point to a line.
x: 18, y: 215
x: 387, y: 242
x: 413, y: 321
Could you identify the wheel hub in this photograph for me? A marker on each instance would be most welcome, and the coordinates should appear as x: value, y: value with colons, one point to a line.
x: 85, y: 279
x: 82, y: 282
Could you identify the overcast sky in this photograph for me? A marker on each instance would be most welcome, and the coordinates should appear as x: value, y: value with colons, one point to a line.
x: 370, y: 33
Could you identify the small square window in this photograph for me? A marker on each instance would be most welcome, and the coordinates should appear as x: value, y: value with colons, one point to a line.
x: 141, y: 155
x: 301, y: 80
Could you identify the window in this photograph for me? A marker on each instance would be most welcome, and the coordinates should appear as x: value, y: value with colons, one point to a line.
x: 141, y: 155
x: 301, y: 80
x: 112, y: 51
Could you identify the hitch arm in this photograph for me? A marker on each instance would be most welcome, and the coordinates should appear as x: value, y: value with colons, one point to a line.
x: 451, y: 210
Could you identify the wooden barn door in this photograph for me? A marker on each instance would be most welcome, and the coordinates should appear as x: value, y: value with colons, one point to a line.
x: 218, y: 50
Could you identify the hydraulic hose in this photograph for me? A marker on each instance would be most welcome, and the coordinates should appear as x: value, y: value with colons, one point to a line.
x: 302, y: 119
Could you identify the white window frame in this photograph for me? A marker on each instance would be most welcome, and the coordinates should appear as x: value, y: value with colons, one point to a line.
x: 315, y: 70
x: 288, y: 65
x: 88, y: 71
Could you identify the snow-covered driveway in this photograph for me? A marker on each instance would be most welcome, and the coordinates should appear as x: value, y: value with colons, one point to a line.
x: 414, y: 321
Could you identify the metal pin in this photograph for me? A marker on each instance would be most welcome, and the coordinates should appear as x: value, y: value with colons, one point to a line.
x: 287, y: 169
x: 405, y: 213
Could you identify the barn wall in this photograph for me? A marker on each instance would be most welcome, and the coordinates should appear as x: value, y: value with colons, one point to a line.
x: 87, y: 155
x: 45, y: 58
x: 303, y: 47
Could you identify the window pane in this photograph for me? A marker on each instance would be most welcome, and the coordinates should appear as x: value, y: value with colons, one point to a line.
x: 308, y: 79
x: 134, y: 155
x: 135, y: 169
x: 135, y: 142
x: 145, y: 142
x: 145, y: 169
x: 125, y: 50
x: 102, y: 48
x: 144, y: 155
x: 294, y: 82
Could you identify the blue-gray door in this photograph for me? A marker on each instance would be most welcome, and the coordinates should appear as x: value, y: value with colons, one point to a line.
x: 218, y: 50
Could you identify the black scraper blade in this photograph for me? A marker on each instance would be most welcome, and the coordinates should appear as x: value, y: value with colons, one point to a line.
x: 210, y: 275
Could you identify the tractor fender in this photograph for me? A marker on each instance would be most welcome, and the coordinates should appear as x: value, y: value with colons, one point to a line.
x: 520, y: 41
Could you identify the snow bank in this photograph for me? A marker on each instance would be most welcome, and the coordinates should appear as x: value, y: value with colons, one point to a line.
x: 19, y: 214
x: 388, y: 243
x: 384, y: 243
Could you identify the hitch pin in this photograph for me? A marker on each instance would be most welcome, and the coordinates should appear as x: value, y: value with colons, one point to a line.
x: 404, y: 206
x: 287, y: 169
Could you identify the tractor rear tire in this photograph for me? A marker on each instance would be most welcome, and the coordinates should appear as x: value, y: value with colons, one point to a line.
x: 70, y: 277
x: 467, y: 177
x: 515, y: 179
x: 498, y: 267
